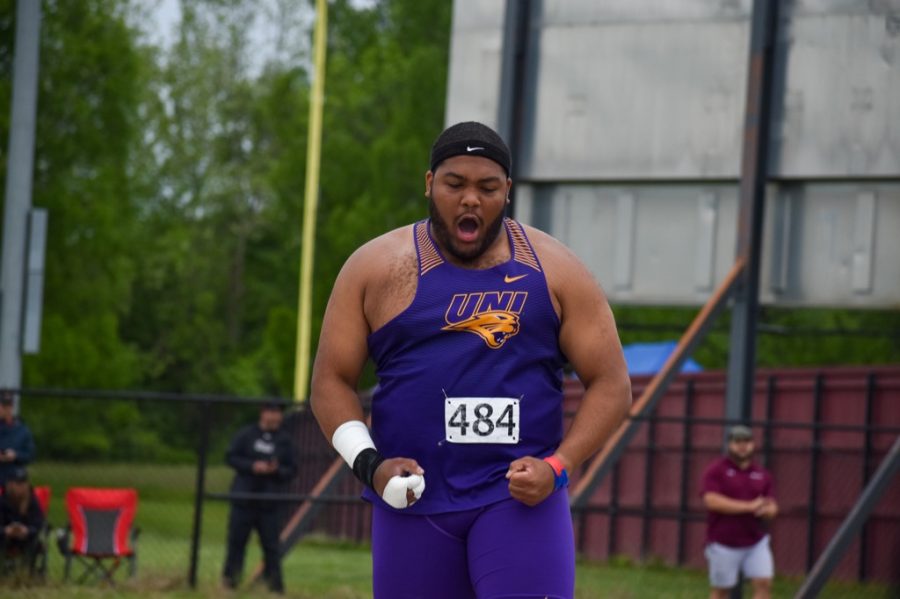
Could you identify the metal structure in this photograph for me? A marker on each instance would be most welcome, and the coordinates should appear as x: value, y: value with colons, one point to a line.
x: 754, y: 177
x: 20, y: 162
x: 647, y: 506
x: 852, y: 524
x: 626, y: 123
x: 631, y: 141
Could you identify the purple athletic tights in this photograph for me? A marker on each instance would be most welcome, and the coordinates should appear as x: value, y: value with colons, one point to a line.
x: 503, y: 550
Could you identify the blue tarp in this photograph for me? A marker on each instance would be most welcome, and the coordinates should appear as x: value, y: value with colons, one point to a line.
x: 648, y: 358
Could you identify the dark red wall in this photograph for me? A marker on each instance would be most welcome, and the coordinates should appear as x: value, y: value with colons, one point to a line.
x: 818, y: 476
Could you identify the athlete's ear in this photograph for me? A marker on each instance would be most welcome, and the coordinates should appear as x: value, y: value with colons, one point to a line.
x: 508, y: 188
x: 429, y: 179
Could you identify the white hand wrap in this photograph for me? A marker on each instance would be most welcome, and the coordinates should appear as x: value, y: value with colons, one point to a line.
x: 350, y: 438
x: 395, y: 491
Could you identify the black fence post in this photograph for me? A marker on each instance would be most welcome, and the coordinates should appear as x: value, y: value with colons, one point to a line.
x: 647, y: 519
x: 866, y: 467
x: 686, y: 449
x: 862, y: 509
x: 767, y: 426
x: 613, y: 512
x: 811, y: 515
x: 202, y: 450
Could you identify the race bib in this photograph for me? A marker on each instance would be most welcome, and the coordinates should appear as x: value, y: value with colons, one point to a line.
x: 481, y: 420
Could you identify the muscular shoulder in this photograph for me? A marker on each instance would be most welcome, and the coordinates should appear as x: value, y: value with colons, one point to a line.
x: 372, y: 259
x: 383, y: 273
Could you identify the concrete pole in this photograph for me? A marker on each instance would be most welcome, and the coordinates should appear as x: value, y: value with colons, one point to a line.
x: 19, y: 174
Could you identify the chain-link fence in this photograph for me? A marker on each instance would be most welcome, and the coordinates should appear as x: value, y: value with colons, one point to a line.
x: 160, y: 445
x: 821, y: 433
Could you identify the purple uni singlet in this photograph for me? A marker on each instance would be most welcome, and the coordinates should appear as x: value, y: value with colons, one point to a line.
x: 470, y: 375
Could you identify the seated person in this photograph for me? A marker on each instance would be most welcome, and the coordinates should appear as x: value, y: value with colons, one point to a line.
x: 21, y: 520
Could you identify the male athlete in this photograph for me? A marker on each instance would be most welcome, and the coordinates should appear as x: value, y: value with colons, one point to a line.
x: 469, y: 318
x: 739, y: 498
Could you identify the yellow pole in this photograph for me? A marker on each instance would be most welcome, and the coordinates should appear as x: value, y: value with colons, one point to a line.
x: 313, y: 155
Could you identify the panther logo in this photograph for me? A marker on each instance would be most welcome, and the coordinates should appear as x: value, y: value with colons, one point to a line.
x: 493, y: 326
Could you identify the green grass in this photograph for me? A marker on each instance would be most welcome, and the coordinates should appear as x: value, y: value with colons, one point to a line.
x: 315, y: 568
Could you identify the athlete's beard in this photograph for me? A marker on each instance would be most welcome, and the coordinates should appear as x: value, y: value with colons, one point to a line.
x: 445, y: 239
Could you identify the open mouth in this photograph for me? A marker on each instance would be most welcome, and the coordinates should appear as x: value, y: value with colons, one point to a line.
x: 467, y: 228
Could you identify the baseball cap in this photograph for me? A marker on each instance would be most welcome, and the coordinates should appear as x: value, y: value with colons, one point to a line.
x: 18, y: 474
x: 7, y: 399
x: 739, y: 431
x: 272, y: 405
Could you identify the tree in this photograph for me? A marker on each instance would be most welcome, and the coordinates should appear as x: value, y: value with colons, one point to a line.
x: 386, y: 89
x: 91, y: 74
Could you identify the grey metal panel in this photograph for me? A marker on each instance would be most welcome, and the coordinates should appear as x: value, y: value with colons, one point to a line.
x: 631, y: 98
x: 624, y: 251
x: 34, y: 280
x: 561, y: 12
x: 825, y: 244
x: 781, y: 241
x: 476, y: 44
x: 525, y: 203
x: 840, y: 110
x: 640, y: 94
x: 704, y: 262
x: 844, y: 247
x: 655, y: 89
x: 641, y: 241
x: 863, y: 242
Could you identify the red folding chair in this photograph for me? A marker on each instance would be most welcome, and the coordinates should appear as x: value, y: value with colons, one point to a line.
x: 100, y: 534
x: 42, y: 494
x: 43, y: 497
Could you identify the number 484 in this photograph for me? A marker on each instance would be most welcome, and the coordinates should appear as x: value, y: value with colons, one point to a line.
x: 483, y: 425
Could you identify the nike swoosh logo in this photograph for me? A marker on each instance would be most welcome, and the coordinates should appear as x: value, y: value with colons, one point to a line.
x: 509, y: 279
x: 471, y: 149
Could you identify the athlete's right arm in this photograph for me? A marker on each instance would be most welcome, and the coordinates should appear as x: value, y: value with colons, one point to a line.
x: 342, y: 349
x: 340, y: 358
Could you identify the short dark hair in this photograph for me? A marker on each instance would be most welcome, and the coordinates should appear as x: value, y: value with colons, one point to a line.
x: 471, y: 139
x: 740, y: 431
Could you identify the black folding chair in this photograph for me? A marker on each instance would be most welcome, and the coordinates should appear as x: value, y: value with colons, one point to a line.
x: 29, y: 561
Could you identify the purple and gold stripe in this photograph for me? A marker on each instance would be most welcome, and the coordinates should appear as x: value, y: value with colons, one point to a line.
x: 429, y: 257
x: 522, y: 251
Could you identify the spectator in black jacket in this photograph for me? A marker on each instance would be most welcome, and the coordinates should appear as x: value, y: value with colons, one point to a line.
x: 16, y: 442
x: 21, y: 520
x: 262, y: 456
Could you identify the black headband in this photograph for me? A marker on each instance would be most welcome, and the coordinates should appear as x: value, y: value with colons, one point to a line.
x: 470, y: 139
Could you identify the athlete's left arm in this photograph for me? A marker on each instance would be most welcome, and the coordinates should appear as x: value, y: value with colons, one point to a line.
x: 589, y: 339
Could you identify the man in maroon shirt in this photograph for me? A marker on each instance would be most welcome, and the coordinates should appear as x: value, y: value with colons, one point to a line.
x: 739, y: 497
